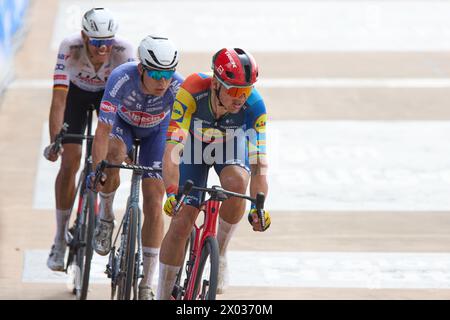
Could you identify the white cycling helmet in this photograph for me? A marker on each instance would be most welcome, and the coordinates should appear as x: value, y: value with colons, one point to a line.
x: 158, y: 53
x: 99, y: 23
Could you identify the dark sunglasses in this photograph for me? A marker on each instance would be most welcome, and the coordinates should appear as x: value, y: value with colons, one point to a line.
x: 101, y: 42
x: 159, y: 74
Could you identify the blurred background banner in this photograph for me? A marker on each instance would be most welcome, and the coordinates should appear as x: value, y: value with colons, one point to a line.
x: 11, y: 19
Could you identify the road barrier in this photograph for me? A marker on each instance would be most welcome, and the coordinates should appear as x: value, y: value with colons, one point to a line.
x: 12, y: 14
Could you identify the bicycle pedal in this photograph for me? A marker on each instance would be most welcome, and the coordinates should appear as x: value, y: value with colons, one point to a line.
x: 69, y: 239
x: 71, y: 244
x: 108, y: 271
x: 71, y: 230
x: 176, y: 292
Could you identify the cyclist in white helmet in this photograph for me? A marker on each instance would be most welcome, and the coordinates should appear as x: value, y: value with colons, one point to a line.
x: 137, y: 104
x: 84, y: 63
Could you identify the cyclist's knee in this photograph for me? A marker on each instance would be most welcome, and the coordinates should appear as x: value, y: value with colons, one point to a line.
x: 235, y: 182
x: 153, y: 190
x: 70, y: 162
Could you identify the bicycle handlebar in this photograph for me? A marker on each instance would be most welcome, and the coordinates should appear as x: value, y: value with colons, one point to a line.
x: 98, y: 173
x: 217, y: 190
x: 186, y: 190
x: 59, y: 137
x: 63, y: 134
x: 79, y: 136
x: 105, y: 164
x: 260, y: 198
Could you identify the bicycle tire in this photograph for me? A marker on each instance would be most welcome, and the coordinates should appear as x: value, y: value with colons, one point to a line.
x: 138, y: 261
x: 178, y: 289
x: 88, y: 252
x: 210, y: 249
x: 72, y: 258
x: 80, y: 250
x: 128, y: 264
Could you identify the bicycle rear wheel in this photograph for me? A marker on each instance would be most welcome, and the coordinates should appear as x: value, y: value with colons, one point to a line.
x: 127, y: 265
x: 206, y: 280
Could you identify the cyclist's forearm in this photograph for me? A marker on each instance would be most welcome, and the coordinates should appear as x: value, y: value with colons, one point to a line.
x: 258, y: 182
x: 100, y: 143
x: 170, y: 164
x: 57, y: 108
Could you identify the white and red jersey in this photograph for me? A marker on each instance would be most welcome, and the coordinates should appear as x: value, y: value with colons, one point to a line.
x: 73, y: 64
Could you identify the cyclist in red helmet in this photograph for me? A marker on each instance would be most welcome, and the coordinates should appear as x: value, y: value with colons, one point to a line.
x: 236, y: 71
x: 217, y: 121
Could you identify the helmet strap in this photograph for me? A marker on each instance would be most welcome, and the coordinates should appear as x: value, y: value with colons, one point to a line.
x: 86, y: 46
x: 217, y: 92
x: 144, y: 86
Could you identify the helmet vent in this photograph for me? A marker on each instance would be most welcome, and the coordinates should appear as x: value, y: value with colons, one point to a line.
x: 248, y: 73
x: 159, y: 38
x: 174, y: 57
x: 94, y: 26
x: 149, y: 63
x: 230, y: 74
x: 152, y: 54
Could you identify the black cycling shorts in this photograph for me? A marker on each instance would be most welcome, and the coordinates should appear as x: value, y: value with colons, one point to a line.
x: 75, y: 115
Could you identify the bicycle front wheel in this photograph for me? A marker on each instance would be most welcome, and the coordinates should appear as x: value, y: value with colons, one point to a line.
x: 185, y: 270
x: 88, y: 235
x: 127, y: 266
x: 206, y: 280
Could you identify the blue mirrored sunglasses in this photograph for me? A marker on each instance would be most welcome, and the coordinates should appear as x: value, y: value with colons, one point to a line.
x: 101, y: 42
x: 159, y: 74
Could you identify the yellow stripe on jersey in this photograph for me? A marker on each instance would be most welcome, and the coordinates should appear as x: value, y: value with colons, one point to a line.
x: 260, y: 123
x: 183, y: 108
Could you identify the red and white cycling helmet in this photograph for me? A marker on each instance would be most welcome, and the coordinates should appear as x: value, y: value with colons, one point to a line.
x: 235, y: 68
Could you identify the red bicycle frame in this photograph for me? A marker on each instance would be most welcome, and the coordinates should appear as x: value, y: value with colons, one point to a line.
x: 204, y: 232
x: 208, y: 227
x: 80, y: 205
